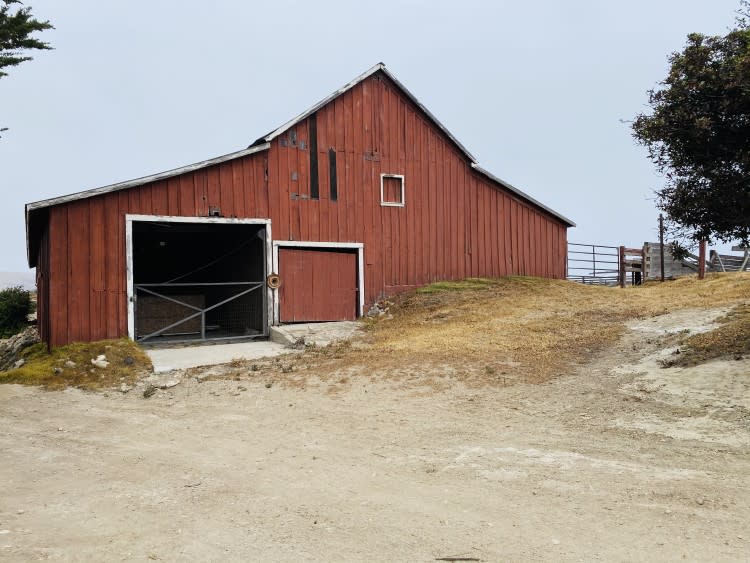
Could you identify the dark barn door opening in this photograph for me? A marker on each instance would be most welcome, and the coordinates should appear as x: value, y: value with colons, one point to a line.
x: 198, y: 281
x: 317, y: 285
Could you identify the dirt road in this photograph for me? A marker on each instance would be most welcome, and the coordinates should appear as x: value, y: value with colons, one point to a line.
x: 620, y: 460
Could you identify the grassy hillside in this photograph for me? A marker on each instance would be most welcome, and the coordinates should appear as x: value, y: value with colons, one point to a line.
x: 480, y: 331
x: 525, y: 329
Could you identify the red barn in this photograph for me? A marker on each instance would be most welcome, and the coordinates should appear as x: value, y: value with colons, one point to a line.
x: 363, y: 195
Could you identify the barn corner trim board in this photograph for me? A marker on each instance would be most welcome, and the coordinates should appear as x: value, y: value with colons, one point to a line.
x: 305, y: 200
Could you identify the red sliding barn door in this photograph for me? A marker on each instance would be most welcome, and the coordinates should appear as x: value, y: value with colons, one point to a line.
x: 317, y: 285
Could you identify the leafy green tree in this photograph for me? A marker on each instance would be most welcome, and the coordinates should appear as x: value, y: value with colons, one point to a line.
x: 15, y: 307
x: 16, y: 29
x: 698, y: 135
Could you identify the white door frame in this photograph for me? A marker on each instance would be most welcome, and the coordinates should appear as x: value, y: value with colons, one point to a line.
x: 358, y: 246
x: 131, y: 218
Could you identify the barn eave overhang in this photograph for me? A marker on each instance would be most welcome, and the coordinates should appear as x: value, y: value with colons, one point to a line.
x: 32, y: 209
x: 523, y: 195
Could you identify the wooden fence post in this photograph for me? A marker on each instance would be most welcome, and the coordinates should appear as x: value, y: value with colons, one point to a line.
x: 701, y: 259
x: 661, y: 245
x: 622, y: 266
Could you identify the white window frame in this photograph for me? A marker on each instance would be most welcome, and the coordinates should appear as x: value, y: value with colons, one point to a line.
x: 382, y: 194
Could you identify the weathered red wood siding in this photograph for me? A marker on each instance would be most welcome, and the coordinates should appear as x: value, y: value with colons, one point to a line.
x: 87, y: 265
x: 456, y: 223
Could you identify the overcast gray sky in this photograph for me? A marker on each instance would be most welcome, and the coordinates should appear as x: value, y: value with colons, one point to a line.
x: 535, y: 90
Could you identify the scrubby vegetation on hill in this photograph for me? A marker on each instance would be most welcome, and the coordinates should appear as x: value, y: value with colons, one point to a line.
x: 72, y: 366
x: 15, y: 307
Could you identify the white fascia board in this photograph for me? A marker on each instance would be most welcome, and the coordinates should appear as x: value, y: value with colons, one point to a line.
x: 522, y: 194
x: 429, y: 114
x: 378, y: 67
x: 346, y: 87
x: 186, y: 219
x: 145, y: 179
x: 316, y: 244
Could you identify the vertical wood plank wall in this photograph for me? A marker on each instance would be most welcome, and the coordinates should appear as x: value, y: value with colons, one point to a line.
x: 455, y: 222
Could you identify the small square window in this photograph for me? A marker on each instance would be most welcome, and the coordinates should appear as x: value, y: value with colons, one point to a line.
x: 392, y: 190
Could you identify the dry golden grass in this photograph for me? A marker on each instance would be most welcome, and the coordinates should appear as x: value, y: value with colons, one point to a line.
x: 479, y: 331
x: 500, y: 331
x: 49, y: 370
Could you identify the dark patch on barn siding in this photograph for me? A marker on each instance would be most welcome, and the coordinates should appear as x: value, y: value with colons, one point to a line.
x: 332, y: 174
x: 313, y: 132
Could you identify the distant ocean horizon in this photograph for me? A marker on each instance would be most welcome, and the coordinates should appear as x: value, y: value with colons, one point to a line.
x: 27, y: 279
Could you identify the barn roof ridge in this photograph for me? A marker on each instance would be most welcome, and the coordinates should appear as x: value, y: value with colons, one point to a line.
x: 380, y: 67
x: 264, y: 143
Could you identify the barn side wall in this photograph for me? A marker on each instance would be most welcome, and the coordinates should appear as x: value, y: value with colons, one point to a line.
x: 87, y: 262
x: 455, y: 222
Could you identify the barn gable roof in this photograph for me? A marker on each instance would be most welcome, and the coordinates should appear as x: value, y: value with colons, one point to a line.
x: 263, y: 144
x: 380, y: 67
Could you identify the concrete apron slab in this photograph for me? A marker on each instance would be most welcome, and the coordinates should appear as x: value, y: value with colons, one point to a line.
x: 168, y: 359
x: 282, y: 340
x: 320, y: 334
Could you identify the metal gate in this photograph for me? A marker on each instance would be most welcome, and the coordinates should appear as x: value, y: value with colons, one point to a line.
x: 593, y: 264
x: 197, y: 279
x: 183, y: 327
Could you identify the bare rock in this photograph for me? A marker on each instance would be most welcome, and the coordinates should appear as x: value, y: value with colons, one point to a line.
x: 69, y: 364
x: 100, y: 361
x: 11, y: 348
x: 19, y: 363
x: 163, y: 382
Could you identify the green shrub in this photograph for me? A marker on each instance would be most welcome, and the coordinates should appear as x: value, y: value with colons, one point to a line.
x: 15, y: 306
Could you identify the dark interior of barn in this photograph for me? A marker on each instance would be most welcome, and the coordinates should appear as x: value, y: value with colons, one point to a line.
x: 198, y: 281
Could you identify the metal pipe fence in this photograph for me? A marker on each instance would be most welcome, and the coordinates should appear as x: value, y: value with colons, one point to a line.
x: 593, y: 264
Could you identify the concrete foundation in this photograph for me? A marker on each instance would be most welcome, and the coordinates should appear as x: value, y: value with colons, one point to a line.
x: 319, y: 334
